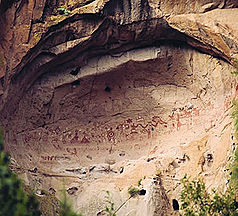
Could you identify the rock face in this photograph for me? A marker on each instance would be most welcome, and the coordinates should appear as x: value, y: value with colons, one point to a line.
x: 107, y: 95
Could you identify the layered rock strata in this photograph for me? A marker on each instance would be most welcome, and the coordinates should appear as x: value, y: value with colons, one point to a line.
x: 109, y: 95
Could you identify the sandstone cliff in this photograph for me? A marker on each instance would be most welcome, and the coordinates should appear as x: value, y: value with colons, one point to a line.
x: 100, y: 95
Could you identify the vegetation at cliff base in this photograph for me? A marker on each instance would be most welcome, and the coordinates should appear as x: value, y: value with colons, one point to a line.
x: 234, y: 165
x: 133, y: 191
x: 13, y: 200
x: 110, y: 208
x: 66, y: 208
x: 236, y: 66
x: 197, y: 201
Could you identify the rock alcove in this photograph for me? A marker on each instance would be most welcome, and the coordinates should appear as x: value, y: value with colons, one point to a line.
x: 127, y: 94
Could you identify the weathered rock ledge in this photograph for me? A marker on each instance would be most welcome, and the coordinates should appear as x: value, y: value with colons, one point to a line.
x: 117, y: 92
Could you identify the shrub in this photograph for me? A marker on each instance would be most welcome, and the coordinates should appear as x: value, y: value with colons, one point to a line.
x: 110, y: 210
x: 13, y: 200
x: 133, y: 191
x: 66, y: 208
x: 197, y: 201
x: 234, y: 165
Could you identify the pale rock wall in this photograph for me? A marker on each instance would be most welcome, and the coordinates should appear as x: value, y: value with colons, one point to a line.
x: 160, y: 108
x: 116, y: 93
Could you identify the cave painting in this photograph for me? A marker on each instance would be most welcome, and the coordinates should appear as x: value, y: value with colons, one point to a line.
x: 141, y: 128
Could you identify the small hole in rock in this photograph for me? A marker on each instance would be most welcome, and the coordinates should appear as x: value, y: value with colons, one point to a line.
x: 76, y: 83
x: 175, y: 204
x: 122, y: 154
x: 52, y: 191
x: 76, y: 71
x: 89, y: 157
x: 72, y: 190
x: 34, y: 170
x: 61, y: 12
x: 209, y: 157
x: 142, y: 192
x: 107, y: 89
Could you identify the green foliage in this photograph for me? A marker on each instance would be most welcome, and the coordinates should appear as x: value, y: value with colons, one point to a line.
x: 133, y: 191
x: 234, y: 165
x: 63, y: 11
x: 139, y: 182
x: 235, y: 116
x: 197, y: 201
x: 66, y: 208
x: 110, y: 210
x: 13, y: 199
x: 234, y: 173
x: 49, y: 204
x: 236, y: 71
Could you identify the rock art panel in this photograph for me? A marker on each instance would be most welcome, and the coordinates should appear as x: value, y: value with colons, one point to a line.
x: 122, y: 107
x: 111, y: 93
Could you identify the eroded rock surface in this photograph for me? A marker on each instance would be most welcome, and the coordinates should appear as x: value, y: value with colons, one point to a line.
x: 119, y: 94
